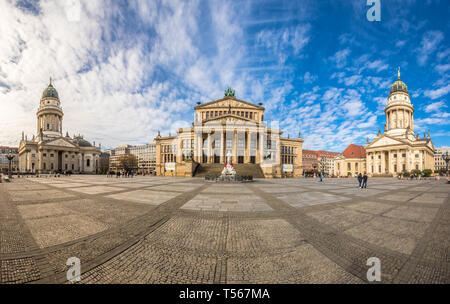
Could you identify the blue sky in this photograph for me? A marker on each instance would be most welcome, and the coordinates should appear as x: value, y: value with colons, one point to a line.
x: 125, y: 70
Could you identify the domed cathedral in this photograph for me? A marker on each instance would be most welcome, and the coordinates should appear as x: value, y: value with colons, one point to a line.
x: 398, y: 149
x: 49, y: 150
x: 229, y: 130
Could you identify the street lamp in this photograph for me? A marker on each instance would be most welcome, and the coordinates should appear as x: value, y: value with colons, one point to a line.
x: 10, y: 157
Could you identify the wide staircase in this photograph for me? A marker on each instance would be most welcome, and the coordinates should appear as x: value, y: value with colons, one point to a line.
x: 241, y: 170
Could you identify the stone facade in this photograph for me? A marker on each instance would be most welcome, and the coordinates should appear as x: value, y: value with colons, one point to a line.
x: 351, y: 162
x: 223, y: 126
x: 399, y: 149
x: 439, y: 163
x: 4, y: 162
x: 49, y: 150
x: 145, y: 154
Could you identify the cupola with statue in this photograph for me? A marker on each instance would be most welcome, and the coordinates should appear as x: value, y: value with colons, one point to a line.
x: 399, y: 110
x: 50, y: 113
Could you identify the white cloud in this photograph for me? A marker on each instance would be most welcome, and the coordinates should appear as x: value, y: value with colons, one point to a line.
x: 108, y: 74
x: 400, y: 43
x: 442, y: 68
x: 278, y: 41
x: 430, y: 42
x: 340, y: 57
x: 435, y: 94
x: 444, y: 54
x: 435, y: 106
x: 309, y: 78
x: 377, y: 65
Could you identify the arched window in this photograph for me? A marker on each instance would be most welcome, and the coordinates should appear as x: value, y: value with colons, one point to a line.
x: 88, y: 163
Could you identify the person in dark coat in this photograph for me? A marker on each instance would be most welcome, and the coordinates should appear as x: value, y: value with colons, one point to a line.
x: 365, y: 177
x: 360, y: 178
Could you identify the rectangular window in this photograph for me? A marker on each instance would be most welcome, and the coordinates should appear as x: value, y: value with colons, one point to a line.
x: 379, y: 169
x: 404, y: 155
x: 251, y: 115
x: 379, y: 156
x: 349, y: 167
x: 395, y: 168
x: 404, y: 167
x: 417, y: 155
x: 395, y: 155
x: 246, y: 114
x: 215, y: 113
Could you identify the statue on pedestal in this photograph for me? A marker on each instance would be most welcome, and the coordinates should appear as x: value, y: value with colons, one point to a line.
x: 228, y: 169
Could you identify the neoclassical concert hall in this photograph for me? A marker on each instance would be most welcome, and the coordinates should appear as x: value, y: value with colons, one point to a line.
x: 229, y: 127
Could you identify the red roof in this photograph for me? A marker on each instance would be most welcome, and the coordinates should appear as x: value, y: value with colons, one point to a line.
x: 354, y: 151
x: 328, y: 154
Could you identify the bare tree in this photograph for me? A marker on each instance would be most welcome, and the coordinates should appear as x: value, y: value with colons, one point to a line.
x: 104, y: 164
x: 322, y: 164
x: 128, y: 162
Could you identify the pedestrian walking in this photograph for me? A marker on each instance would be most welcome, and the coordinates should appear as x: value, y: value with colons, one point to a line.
x: 364, y: 179
x: 360, y: 178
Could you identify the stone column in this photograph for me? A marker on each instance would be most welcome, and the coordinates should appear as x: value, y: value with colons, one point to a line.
x: 387, y: 121
x: 235, y: 160
x: 258, y: 146
x: 222, y: 138
x: 199, y: 147
x: 412, y: 120
x: 247, y: 147
x: 388, y: 162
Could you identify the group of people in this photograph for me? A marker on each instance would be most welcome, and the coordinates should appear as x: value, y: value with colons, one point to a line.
x: 119, y: 174
x: 362, y: 179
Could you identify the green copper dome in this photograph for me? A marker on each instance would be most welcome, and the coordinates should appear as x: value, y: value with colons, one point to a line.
x: 81, y: 142
x: 50, y: 91
x: 399, y: 86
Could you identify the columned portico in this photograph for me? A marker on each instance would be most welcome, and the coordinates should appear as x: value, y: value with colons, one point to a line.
x: 50, y: 150
x: 399, y: 149
x: 235, y: 127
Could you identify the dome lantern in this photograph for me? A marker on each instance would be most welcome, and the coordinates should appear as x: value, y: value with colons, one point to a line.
x: 399, y: 85
x: 50, y: 91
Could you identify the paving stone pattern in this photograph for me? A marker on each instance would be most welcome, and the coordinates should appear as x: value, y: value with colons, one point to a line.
x: 186, y: 230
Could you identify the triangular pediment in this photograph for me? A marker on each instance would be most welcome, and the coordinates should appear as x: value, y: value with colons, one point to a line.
x: 385, y: 140
x: 61, y: 142
x: 228, y: 102
x: 229, y: 118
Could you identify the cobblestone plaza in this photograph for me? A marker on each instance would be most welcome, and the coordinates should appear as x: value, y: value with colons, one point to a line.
x: 186, y: 230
